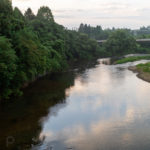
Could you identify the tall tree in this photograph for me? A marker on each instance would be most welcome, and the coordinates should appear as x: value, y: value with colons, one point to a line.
x: 45, y: 14
x: 29, y: 15
x: 18, y: 20
x: 18, y: 14
x: 6, y: 12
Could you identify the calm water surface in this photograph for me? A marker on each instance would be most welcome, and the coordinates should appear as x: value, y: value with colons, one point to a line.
x: 102, y: 108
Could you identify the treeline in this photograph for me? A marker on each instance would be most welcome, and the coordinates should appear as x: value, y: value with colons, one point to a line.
x: 143, y: 32
x: 119, y: 41
x: 33, y: 45
x: 101, y: 34
x: 97, y: 32
x: 122, y: 42
x: 94, y: 32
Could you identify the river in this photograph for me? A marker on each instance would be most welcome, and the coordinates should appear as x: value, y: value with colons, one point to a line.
x: 103, y: 107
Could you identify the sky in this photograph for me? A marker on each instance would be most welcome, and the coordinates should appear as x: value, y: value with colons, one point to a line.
x: 107, y: 13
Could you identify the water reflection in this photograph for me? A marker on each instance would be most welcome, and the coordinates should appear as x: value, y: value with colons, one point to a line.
x: 102, y: 108
x: 107, y: 110
x: 22, y: 119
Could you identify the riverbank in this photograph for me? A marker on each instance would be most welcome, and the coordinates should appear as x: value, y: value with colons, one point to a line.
x: 131, y: 59
x: 142, y: 70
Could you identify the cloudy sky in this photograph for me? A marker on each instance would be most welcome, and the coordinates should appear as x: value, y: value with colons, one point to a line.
x: 107, y: 13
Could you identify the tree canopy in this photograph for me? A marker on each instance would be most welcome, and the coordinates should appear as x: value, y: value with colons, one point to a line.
x: 120, y: 42
x: 8, y: 67
x: 32, y: 45
x: 95, y: 32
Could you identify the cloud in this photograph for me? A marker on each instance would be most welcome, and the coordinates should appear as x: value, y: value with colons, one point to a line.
x: 64, y: 16
x: 109, y: 13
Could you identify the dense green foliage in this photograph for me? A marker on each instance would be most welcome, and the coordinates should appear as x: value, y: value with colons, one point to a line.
x: 102, y: 34
x: 131, y: 59
x: 120, y: 43
x: 34, y: 45
x: 7, y: 67
x: 95, y: 32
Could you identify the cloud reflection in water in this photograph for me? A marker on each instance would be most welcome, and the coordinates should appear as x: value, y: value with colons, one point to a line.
x: 108, y: 108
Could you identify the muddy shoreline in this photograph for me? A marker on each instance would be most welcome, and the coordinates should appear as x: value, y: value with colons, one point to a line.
x: 140, y: 74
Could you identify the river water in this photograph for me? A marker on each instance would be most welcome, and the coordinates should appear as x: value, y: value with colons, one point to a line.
x: 104, y: 107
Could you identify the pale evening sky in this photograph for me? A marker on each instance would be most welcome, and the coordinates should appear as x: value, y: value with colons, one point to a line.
x: 107, y: 13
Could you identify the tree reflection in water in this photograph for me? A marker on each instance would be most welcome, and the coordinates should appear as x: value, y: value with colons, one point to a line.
x: 22, y: 118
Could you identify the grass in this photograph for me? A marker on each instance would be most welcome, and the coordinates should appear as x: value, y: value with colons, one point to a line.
x: 143, y: 71
x: 131, y: 59
x: 144, y: 67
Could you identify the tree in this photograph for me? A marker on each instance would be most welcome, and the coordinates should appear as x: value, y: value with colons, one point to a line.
x: 5, y: 17
x: 81, y: 28
x: 36, y: 45
x: 29, y: 15
x: 120, y: 42
x: 94, y: 32
x: 18, y: 14
x: 18, y: 20
x: 45, y: 13
x: 31, y: 55
x: 8, y: 67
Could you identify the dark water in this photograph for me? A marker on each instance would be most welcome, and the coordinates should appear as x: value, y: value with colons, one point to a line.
x: 105, y: 107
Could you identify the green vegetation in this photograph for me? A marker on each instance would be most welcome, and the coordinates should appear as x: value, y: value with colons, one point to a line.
x: 143, y: 71
x: 144, y: 67
x: 8, y: 67
x: 34, y: 45
x: 102, y: 34
x: 120, y: 43
x: 131, y: 59
x: 142, y: 33
x: 95, y: 32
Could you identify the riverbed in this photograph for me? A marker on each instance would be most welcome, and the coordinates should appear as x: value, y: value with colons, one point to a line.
x: 102, y: 107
